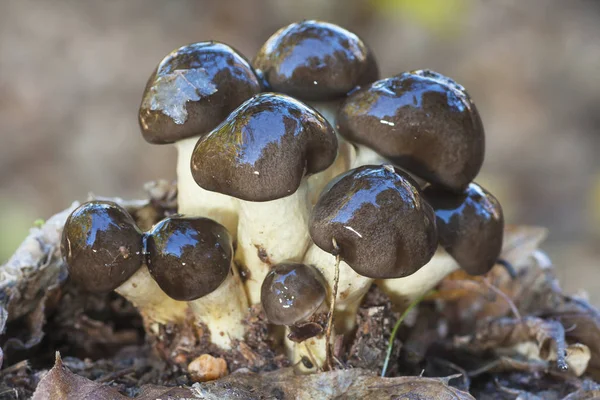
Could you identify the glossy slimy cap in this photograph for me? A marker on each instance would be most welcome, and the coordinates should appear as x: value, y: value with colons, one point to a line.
x: 101, y: 245
x: 314, y: 60
x: 421, y: 121
x: 470, y: 226
x: 291, y: 293
x: 193, y: 89
x: 189, y: 257
x: 382, y: 226
x: 263, y: 149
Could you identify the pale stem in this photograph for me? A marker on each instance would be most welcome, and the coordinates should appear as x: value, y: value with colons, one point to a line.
x: 269, y: 233
x: 223, y: 310
x: 194, y: 201
x: 154, y: 305
x: 352, y: 287
x: 403, y: 291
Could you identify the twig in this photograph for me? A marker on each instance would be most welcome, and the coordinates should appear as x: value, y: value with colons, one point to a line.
x: 462, y: 372
x: 500, y: 293
x: 508, y: 267
x: 390, y: 347
x: 334, y: 291
x: 15, y: 367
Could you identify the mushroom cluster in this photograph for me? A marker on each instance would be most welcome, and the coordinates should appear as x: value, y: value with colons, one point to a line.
x: 306, y: 175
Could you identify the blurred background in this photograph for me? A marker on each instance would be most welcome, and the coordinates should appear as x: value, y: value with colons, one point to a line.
x: 72, y: 73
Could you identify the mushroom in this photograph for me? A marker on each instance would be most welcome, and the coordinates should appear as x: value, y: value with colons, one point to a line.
x: 470, y: 230
x: 421, y: 121
x: 192, y: 90
x: 318, y: 63
x: 383, y: 229
x: 191, y: 259
x: 262, y: 154
x: 293, y: 295
x: 470, y: 226
x: 104, y: 251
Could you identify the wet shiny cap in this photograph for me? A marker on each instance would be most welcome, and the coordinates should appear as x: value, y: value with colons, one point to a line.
x: 291, y: 293
x: 264, y: 148
x: 189, y: 257
x: 193, y: 89
x: 382, y: 226
x: 470, y: 226
x: 314, y: 60
x: 101, y: 245
x: 421, y: 121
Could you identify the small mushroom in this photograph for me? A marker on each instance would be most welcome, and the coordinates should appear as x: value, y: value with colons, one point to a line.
x: 293, y: 295
x: 383, y: 229
x: 191, y: 259
x: 104, y: 251
x: 191, y: 91
x: 470, y: 226
x: 318, y: 63
x: 470, y: 230
x: 261, y: 155
x: 421, y: 121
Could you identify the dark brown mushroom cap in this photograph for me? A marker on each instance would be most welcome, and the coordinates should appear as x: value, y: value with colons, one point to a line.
x: 470, y: 226
x: 421, y: 121
x: 101, y: 245
x: 382, y: 225
x: 264, y: 148
x: 193, y: 89
x: 292, y: 292
x: 314, y: 60
x: 189, y: 257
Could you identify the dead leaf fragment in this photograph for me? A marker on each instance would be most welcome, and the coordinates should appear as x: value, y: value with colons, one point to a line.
x: 508, y: 334
x: 60, y: 383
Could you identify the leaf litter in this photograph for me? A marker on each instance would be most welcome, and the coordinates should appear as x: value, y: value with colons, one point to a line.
x: 511, y: 334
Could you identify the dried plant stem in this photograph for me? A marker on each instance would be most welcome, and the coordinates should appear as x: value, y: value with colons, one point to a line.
x: 500, y: 293
x: 332, y: 305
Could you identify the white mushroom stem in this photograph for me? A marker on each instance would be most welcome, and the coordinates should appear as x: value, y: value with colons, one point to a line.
x: 192, y: 200
x: 271, y: 232
x: 313, y: 349
x: 367, y: 156
x: 345, y: 156
x: 327, y: 109
x: 223, y: 310
x: 403, y: 291
x: 317, y: 182
x: 154, y: 305
x: 352, y: 287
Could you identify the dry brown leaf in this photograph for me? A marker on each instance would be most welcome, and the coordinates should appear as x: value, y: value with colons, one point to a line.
x: 60, y: 383
x: 505, y: 333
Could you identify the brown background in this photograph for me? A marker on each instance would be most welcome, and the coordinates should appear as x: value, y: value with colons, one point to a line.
x: 72, y: 73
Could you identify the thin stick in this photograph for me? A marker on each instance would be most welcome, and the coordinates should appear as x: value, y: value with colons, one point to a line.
x: 334, y: 291
x: 504, y: 296
x: 390, y: 347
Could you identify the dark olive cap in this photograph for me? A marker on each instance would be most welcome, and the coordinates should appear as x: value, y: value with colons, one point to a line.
x: 101, y: 245
x: 470, y: 226
x: 421, y: 121
x: 264, y: 148
x: 292, y: 292
x: 314, y: 60
x: 189, y: 257
x: 193, y: 89
x: 382, y: 225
